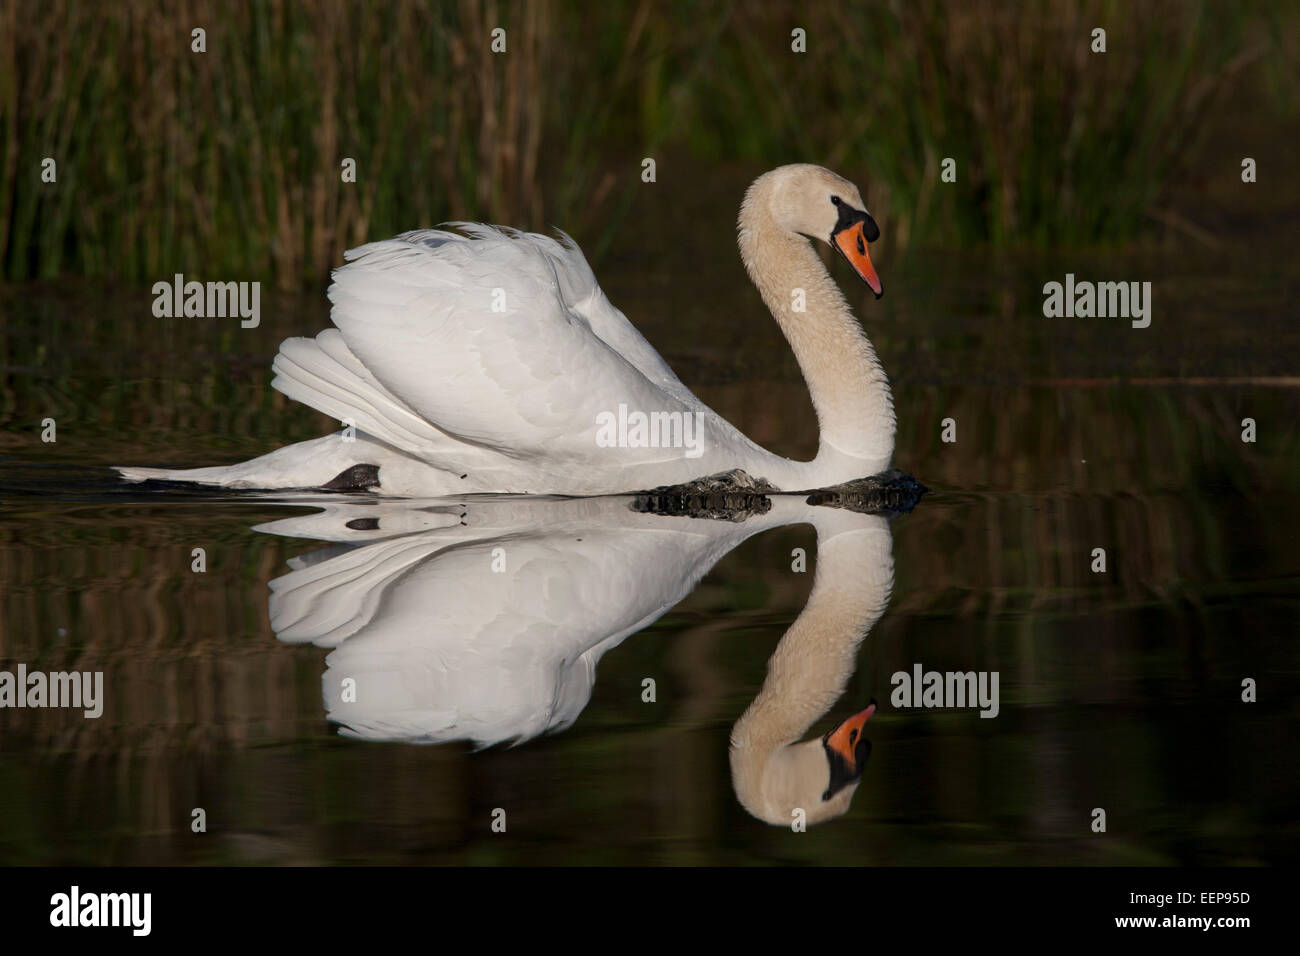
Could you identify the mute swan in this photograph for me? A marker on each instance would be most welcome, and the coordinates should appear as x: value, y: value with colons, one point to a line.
x: 489, y: 360
x: 484, y: 620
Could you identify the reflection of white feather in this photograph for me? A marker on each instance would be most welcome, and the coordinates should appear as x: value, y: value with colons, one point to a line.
x: 443, y: 647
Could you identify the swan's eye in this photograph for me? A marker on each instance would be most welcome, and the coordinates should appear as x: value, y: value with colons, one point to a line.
x: 835, y: 200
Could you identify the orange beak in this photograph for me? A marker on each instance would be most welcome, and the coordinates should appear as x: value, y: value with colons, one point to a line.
x: 843, y: 740
x: 852, y: 243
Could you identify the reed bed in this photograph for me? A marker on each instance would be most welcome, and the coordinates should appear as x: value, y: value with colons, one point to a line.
x: 229, y: 161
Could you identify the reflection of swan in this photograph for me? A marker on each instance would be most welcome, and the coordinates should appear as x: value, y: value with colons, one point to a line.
x: 443, y: 647
x: 484, y: 619
x: 492, y: 362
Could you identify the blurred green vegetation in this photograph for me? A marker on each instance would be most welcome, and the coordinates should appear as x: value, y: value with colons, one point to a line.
x: 229, y: 161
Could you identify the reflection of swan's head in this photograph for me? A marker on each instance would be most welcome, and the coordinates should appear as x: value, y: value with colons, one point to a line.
x: 813, y: 201
x: 774, y: 774
x: 816, y: 776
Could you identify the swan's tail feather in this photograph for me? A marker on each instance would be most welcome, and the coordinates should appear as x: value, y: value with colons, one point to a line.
x: 132, y: 473
x: 308, y: 464
x: 221, y: 476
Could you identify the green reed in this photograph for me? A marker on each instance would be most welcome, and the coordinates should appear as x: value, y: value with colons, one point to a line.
x: 228, y: 161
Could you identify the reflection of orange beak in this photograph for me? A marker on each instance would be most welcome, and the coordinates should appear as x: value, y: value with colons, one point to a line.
x: 844, y: 738
x: 852, y: 242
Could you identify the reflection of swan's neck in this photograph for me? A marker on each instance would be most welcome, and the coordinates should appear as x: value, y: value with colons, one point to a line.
x: 808, y: 672
x: 849, y: 389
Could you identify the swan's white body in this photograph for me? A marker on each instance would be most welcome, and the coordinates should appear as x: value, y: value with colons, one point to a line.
x: 484, y: 620
x: 484, y: 360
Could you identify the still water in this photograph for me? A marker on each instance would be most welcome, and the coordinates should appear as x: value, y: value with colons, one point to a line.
x: 1119, y: 690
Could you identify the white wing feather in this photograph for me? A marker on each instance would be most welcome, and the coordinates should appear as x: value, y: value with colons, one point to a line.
x: 418, y: 312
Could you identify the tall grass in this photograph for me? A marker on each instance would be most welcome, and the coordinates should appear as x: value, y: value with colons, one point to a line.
x: 1054, y: 144
x: 229, y: 160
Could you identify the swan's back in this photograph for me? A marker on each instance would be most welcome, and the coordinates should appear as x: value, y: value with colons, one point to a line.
x: 543, y: 260
x: 487, y: 327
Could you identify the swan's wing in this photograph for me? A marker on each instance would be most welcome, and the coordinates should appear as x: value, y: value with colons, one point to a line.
x: 498, y: 339
x: 585, y: 297
x: 323, y: 373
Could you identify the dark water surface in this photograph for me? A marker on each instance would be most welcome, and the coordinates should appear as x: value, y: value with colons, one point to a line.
x: 1118, y: 690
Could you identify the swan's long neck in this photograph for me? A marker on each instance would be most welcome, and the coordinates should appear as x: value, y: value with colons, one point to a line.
x: 812, y: 664
x: 849, y: 389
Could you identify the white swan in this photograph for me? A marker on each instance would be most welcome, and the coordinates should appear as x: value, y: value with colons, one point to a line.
x: 490, y: 361
x: 484, y: 620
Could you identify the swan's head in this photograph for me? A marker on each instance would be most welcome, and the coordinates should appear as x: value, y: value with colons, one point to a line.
x: 815, y: 202
x: 817, y: 776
